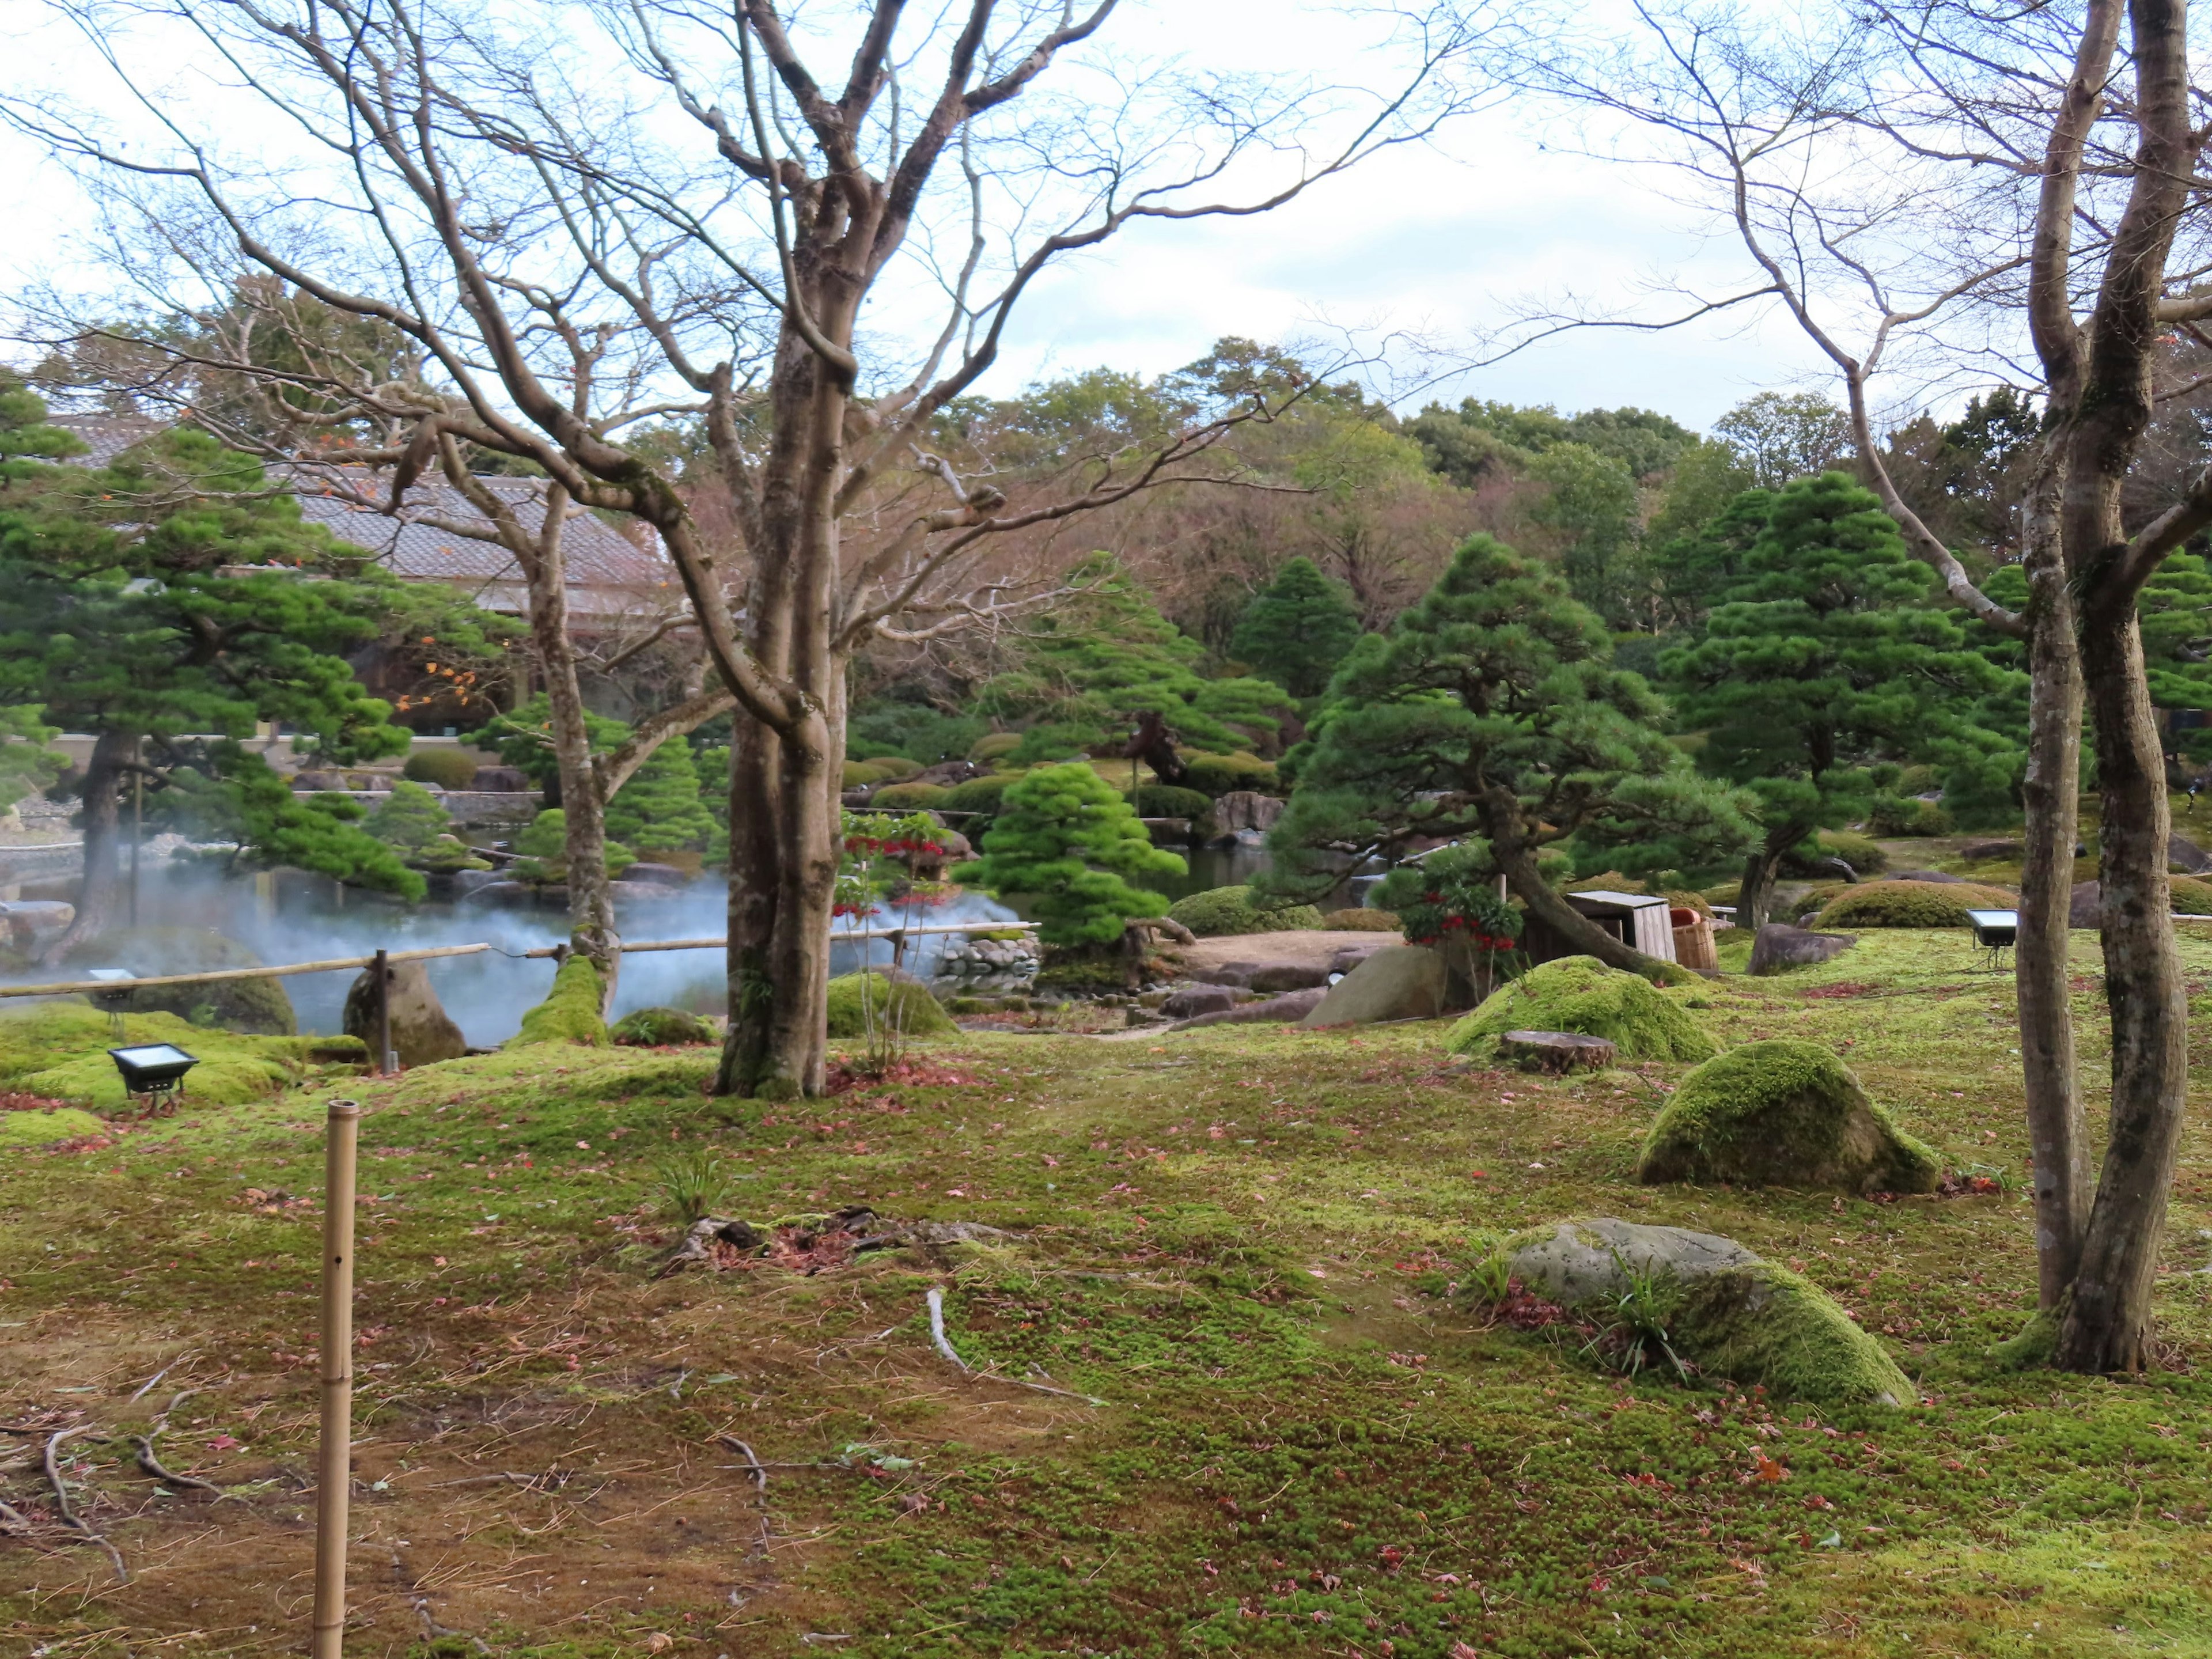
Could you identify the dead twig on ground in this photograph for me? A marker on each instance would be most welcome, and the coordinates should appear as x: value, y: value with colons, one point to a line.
x: 943, y: 1344
x: 147, y: 1387
x: 152, y: 1465
x: 76, y: 1522
x: 759, y: 1472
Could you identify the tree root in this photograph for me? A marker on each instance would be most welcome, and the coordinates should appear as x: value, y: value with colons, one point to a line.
x: 76, y: 1522
x: 152, y: 1465
x: 943, y: 1345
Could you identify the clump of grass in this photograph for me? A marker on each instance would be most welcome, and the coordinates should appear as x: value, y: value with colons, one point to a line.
x: 691, y: 1185
x: 1636, y: 1332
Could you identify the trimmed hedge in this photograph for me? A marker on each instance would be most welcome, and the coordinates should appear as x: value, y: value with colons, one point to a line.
x: 449, y: 768
x: 860, y: 774
x: 2191, y: 897
x: 1862, y: 853
x: 909, y: 797
x: 1220, y: 911
x: 1220, y: 775
x: 1912, y: 904
x: 901, y: 1004
x: 994, y: 745
x: 1165, y: 800
x: 893, y: 766
x: 978, y: 795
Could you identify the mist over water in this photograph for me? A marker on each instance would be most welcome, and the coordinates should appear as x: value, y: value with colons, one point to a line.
x: 286, y: 916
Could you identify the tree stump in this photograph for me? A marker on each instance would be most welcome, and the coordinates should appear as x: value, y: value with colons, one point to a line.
x: 1556, y: 1052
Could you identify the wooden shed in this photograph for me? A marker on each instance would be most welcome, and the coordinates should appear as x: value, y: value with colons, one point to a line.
x: 1639, y: 920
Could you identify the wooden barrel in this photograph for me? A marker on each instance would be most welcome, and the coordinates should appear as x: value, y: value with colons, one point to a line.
x: 1693, y: 938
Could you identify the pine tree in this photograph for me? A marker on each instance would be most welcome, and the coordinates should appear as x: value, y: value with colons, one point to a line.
x: 1070, y: 845
x: 1296, y: 630
x: 1489, y: 715
x: 408, y: 818
x: 1823, y: 659
x: 658, y: 808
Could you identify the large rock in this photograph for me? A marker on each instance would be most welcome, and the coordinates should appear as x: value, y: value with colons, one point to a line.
x: 504, y: 894
x: 1782, y: 1113
x: 422, y: 1031
x: 499, y: 780
x: 1734, y: 1315
x: 259, y: 1007
x: 2186, y: 856
x: 1187, y: 1001
x: 1245, y: 809
x: 945, y: 773
x: 1398, y: 981
x: 1780, y: 947
x: 1940, y: 877
x: 1581, y: 994
x: 1287, y: 1009
x: 465, y: 882
x: 1343, y: 961
x: 26, y: 924
x: 2085, y: 908
x: 1980, y: 852
x: 1274, y: 978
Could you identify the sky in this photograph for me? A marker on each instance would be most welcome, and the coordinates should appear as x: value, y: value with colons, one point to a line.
x: 1440, y: 242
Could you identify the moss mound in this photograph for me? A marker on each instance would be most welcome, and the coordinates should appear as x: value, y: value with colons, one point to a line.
x: 662, y: 1028
x: 1911, y: 904
x: 1220, y: 911
x: 570, y: 1013
x: 909, y: 797
x: 1581, y: 994
x: 260, y: 1006
x: 59, y: 1050
x: 1363, y: 921
x: 892, y: 766
x: 977, y: 794
x: 859, y: 775
x: 40, y: 1128
x: 449, y: 768
x: 2191, y: 897
x: 1782, y: 1113
x: 1766, y: 1324
x: 901, y: 1004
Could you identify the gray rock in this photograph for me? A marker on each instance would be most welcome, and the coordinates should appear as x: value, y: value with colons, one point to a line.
x: 1556, y: 1052
x: 316, y: 783
x: 1276, y: 977
x: 1287, y: 1009
x: 1576, y: 1263
x: 511, y: 895
x: 947, y: 773
x: 499, y: 780
x: 1975, y: 852
x: 1780, y: 947
x: 857, y: 797
x: 1189, y: 1001
x: 2186, y: 856
x: 1926, y: 875
x: 25, y: 923
x: 1398, y: 981
x: 421, y: 1032
x: 1246, y: 809
x: 1238, y: 973
x: 2085, y: 907
x: 1353, y: 954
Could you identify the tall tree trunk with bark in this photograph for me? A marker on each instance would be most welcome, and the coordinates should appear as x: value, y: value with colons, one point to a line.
x: 102, y: 795
x: 1754, y: 899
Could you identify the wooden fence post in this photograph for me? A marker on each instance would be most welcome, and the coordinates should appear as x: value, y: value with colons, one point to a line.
x: 383, y: 971
x: 334, y: 1479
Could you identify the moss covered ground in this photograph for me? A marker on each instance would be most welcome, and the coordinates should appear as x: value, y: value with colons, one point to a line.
x: 1245, y: 1242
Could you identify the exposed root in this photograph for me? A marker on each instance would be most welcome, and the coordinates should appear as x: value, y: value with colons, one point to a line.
x: 717, y: 1241
x: 76, y: 1522
x: 147, y: 1387
x: 152, y: 1465
x: 12, y: 1519
x: 943, y: 1345
x: 758, y: 1470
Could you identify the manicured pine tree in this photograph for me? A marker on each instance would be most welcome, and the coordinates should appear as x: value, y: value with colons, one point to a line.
x: 408, y: 818
x: 1822, y: 658
x: 1490, y: 715
x: 1296, y: 630
x: 1072, y: 847
x: 658, y: 808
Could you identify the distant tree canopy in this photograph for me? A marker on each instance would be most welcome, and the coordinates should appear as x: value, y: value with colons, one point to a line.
x: 1477, y: 438
x: 1298, y: 628
x: 1783, y: 436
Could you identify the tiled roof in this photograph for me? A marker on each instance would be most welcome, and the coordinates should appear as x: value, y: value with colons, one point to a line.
x: 103, y: 436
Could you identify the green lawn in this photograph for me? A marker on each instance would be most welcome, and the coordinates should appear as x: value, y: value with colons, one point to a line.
x: 1247, y: 1243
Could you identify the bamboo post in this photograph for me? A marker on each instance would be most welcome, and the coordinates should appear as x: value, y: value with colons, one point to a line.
x: 137, y: 824
x: 334, y: 1479
x: 383, y: 971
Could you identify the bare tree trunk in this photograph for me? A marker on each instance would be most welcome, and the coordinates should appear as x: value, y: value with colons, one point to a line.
x: 2107, y: 1323
x: 2051, y: 792
x: 1754, y: 899
x: 102, y: 815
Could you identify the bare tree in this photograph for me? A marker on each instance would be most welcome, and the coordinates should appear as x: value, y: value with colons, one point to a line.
x: 566, y: 269
x: 1966, y: 180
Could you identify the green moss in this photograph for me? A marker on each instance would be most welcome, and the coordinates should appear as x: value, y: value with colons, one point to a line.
x: 1864, y: 854
x: 1911, y: 904
x: 570, y: 1013
x: 662, y: 1028
x: 1766, y: 1325
x: 978, y: 795
x: 2191, y: 897
x: 1581, y: 994
x: 905, y: 1006
x: 892, y: 766
x: 257, y: 1006
x: 859, y: 775
x: 449, y: 768
x: 909, y: 797
x: 1221, y: 774
x: 59, y: 1050
x: 1782, y: 1113
x: 38, y: 1129
x: 1165, y: 800
x: 1224, y: 910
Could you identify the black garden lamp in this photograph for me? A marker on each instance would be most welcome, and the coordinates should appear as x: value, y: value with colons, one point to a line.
x: 153, y: 1069
x: 1995, y: 932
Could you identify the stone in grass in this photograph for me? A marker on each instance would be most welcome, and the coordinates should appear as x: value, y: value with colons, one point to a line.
x: 1782, y: 1113
x: 1186, y: 1001
x: 1581, y: 994
x: 1779, y: 947
x: 1556, y: 1052
x: 572, y: 1013
x: 860, y: 1002
x: 662, y: 1028
x: 1285, y: 1009
x: 1735, y: 1316
x: 1399, y: 982
x: 421, y: 1032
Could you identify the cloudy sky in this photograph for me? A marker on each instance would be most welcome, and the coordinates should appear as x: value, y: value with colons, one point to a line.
x: 1441, y: 241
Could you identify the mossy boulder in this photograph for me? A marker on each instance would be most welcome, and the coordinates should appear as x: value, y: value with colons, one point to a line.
x: 1735, y: 1316
x: 2191, y: 897
x: 59, y: 1051
x: 1581, y: 994
x: 570, y: 1013
x: 1220, y: 911
x: 1782, y: 1113
x: 259, y: 1007
x: 662, y: 1028
x: 422, y: 1033
x: 1912, y: 904
x: 857, y: 999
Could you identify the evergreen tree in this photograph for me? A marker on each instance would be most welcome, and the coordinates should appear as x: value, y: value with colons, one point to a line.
x: 410, y: 817
x: 658, y: 807
x: 1072, y: 847
x: 1490, y: 715
x: 1298, y: 628
x: 26, y: 763
x: 522, y: 738
x: 1823, y: 659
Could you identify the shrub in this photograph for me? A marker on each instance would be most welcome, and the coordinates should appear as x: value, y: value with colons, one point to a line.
x: 978, y: 795
x: 1782, y: 1113
x: 2191, y: 897
x: 410, y: 817
x: 662, y: 1028
x: 1165, y: 800
x: 1862, y: 853
x: 544, y: 848
x: 994, y: 745
x: 1064, y: 839
x: 909, y: 797
x: 1219, y: 775
x: 900, y: 1004
x: 449, y: 768
x: 1581, y: 994
x: 258, y: 1006
x: 893, y: 767
x: 1902, y: 815
x: 1220, y: 911
x: 859, y: 775
x: 1912, y: 904
x: 570, y: 1012
x: 1361, y: 921
x: 660, y: 805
